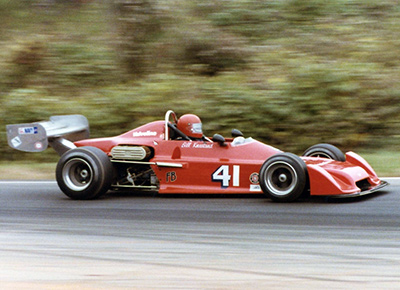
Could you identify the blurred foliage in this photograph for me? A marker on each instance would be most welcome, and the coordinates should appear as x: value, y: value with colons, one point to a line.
x: 291, y: 73
x: 138, y: 25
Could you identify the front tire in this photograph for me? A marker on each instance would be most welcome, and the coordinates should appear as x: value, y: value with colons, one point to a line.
x: 325, y: 151
x: 283, y: 177
x: 84, y: 173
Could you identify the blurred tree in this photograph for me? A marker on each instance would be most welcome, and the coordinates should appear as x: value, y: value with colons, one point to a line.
x: 138, y: 24
x: 209, y: 51
x: 28, y: 59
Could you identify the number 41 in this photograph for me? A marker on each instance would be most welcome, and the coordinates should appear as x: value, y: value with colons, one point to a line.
x: 222, y: 175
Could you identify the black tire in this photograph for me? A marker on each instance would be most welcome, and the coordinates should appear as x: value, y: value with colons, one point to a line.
x: 325, y: 151
x: 84, y: 173
x: 283, y: 177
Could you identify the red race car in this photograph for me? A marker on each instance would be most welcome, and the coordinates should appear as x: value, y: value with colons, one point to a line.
x: 173, y: 156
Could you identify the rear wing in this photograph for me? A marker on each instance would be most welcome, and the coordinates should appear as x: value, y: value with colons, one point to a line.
x: 59, y: 133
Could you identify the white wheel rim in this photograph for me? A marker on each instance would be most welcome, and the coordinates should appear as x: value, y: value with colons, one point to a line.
x: 77, y: 174
x: 281, y: 178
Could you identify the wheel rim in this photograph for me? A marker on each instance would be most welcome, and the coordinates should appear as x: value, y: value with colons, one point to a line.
x: 320, y: 154
x: 281, y: 178
x: 77, y: 174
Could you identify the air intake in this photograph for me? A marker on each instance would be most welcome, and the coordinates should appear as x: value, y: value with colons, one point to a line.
x: 130, y: 152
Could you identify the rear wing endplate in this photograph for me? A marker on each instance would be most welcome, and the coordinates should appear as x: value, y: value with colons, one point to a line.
x: 59, y: 133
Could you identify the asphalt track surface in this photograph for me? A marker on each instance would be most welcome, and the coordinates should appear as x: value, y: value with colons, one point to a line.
x: 126, y: 241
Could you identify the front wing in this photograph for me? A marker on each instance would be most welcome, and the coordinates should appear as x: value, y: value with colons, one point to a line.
x: 362, y: 193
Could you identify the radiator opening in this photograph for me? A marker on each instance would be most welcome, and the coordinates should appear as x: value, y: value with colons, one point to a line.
x: 363, y: 184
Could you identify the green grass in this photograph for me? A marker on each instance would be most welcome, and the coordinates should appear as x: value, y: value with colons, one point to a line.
x: 28, y: 170
x: 385, y: 163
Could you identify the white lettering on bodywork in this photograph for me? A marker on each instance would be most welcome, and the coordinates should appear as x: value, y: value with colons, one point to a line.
x: 144, y: 134
x: 202, y: 145
x: 186, y: 145
x: 197, y: 145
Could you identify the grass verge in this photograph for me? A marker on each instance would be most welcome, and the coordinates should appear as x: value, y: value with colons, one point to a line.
x: 385, y: 163
x: 27, y: 171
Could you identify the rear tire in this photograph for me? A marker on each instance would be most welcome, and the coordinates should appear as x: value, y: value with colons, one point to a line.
x: 325, y: 151
x: 283, y: 177
x: 84, y: 173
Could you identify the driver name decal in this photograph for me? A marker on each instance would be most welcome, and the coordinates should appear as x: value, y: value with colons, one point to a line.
x: 197, y: 145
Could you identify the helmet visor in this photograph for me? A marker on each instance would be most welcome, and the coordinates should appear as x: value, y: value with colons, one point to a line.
x: 197, y: 128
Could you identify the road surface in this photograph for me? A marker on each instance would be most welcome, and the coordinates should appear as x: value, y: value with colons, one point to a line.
x: 126, y: 241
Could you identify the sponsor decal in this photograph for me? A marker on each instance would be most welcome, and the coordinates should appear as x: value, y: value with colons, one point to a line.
x: 171, y: 176
x: 38, y: 145
x: 254, y: 178
x: 28, y: 130
x: 255, y: 187
x: 144, y: 134
x: 16, y: 142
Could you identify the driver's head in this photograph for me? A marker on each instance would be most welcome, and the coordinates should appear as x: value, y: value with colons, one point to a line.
x: 191, y: 126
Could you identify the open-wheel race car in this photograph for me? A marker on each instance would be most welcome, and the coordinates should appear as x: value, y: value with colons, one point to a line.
x: 173, y: 156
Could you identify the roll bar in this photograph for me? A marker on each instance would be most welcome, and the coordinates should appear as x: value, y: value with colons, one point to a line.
x: 167, y: 117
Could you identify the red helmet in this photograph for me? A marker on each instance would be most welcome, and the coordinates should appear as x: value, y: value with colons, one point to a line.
x: 190, y: 125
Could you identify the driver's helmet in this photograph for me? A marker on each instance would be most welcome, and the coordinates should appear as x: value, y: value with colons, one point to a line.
x: 191, y: 126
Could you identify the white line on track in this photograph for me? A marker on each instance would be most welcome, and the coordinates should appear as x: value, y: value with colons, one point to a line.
x: 26, y: 181
x: 390, y: 178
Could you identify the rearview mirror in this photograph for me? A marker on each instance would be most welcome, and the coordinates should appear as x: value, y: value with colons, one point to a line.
x: 236, y: 133
x: 219, y: 138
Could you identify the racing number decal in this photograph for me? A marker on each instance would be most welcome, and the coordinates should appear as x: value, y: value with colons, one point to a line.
x: 236, y: 171
x: 222, y: 174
